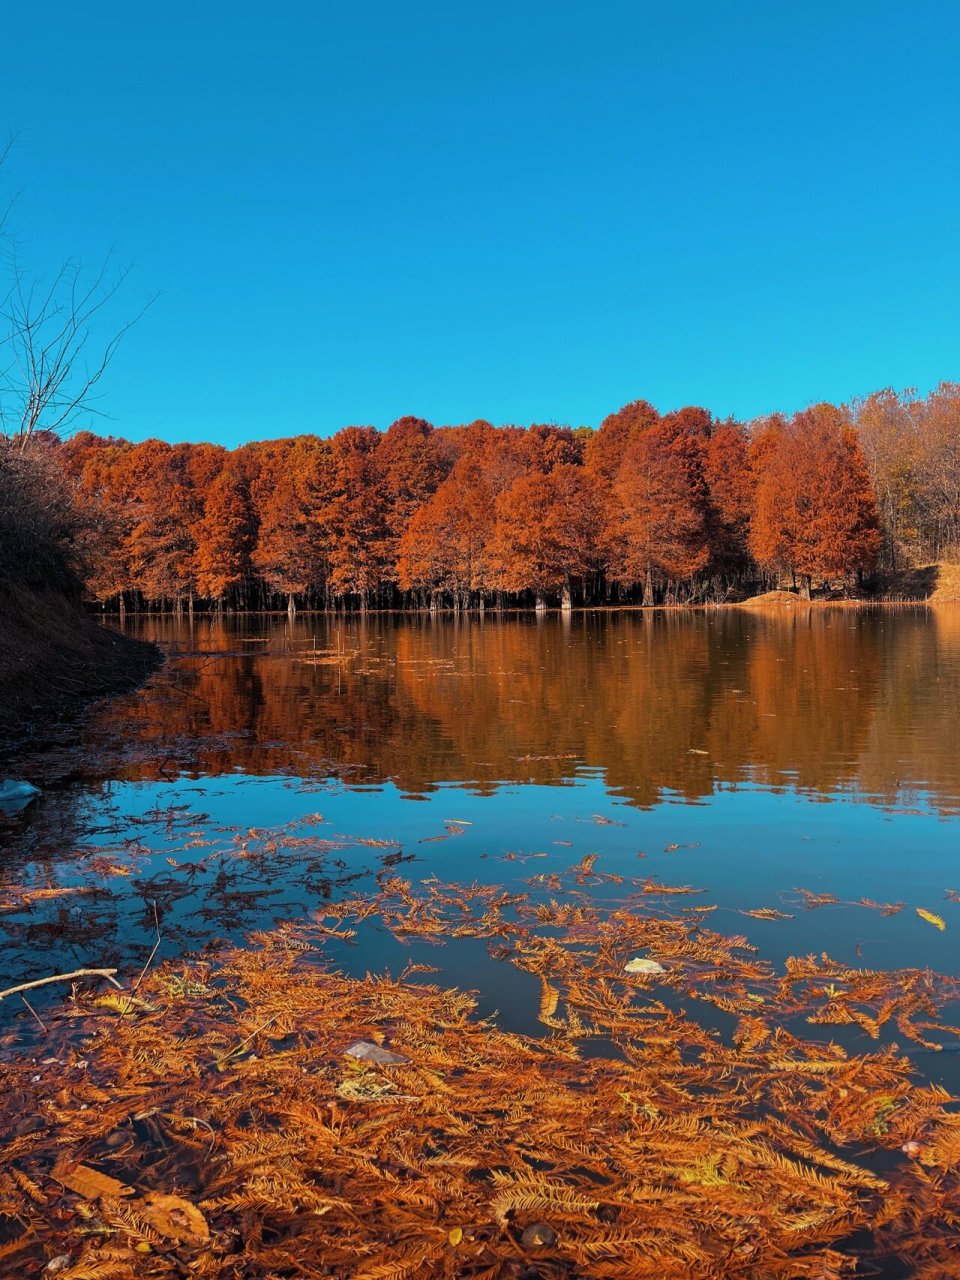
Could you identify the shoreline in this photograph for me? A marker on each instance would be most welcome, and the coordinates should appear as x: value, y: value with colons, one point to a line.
x: 757, y: 603
x: 57, y: 659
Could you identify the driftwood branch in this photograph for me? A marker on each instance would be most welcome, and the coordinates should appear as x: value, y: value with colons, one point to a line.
x: 62, y: 977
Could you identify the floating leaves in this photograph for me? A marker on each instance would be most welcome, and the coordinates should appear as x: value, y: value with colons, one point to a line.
x: 937, y: 921
x: 549, y: 1000
x: 630, y: 1141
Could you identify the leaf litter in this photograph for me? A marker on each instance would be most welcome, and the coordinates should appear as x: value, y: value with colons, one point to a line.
x: 255, y: 1113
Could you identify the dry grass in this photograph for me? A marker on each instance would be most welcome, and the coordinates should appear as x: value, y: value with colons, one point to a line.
x: 947, y: 589
x: 773, y: 600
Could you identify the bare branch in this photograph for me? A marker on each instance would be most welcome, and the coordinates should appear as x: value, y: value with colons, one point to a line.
x: 48, y: 329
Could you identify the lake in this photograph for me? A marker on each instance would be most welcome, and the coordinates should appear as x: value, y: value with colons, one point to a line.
x: 760, y: 758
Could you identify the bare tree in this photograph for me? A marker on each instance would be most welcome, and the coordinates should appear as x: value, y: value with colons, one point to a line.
x: 51, y: 360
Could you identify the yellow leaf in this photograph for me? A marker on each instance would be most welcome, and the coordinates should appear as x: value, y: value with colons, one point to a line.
x: 123, y: 1004
x: 119, y: 1004
x: 455, y: 1236
x: 549, y: 999
x: 930, y: 918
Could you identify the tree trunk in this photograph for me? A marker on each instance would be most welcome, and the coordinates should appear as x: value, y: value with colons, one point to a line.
x: 291, y: 605
x: 648, y: 587
x: 541, y: 603
x: 566, y: 598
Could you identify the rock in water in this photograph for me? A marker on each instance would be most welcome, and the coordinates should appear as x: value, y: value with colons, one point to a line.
x: 539, y: 1235
x: 15, y: 795
x: 368, y: 1052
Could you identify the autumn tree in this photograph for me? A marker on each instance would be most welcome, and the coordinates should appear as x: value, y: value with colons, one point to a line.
x: 550, y: 530
x: 659, y: 516
x: 286, y: 494
x: 96, y: 468
x: 604, y: 450
x: 888, y: 427
x: 161, y: 545
x: 547, y: 447
x: 353, y: 519
x: 445, y: 545
x: 413, y: 467
x: 815, y: 513
x: 224, y: 535
x: 729, y: 480
x: 939, y: 466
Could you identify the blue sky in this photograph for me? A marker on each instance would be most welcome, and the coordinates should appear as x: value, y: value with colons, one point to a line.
x: 523, y: 212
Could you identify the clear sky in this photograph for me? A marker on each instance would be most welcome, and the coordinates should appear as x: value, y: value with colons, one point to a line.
x: 519, y: 211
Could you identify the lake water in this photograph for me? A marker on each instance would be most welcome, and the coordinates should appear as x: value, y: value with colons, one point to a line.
x: 748, y: 755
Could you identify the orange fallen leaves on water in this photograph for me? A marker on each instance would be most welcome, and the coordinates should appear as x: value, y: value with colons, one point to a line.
x: 633, y: 1140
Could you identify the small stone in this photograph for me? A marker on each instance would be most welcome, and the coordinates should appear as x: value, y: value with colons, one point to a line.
x: 368, y: 1052
x: 539, y: 1235
x: 642, y: 964
x: 57, y: 1264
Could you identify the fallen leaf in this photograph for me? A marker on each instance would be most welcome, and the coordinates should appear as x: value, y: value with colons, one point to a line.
x: 642, y: 964
x: 175, y: 1218
x: 123, y: 1005
x: 549, y: 999
x: 88, y: 1183
x: 930, y: 918
x: 455, y: 1235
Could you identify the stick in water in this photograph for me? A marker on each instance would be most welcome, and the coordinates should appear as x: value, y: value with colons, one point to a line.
x: 62, y: 977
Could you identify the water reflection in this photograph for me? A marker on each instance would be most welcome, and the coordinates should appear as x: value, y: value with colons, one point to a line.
x: 234, y: 791
x: 864, y: 702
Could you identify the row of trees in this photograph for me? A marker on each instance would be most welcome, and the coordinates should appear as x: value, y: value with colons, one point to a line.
x: 912, y: 446
x: 648, y: 508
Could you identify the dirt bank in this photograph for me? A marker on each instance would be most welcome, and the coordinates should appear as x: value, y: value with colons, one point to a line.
x: 54, y: 659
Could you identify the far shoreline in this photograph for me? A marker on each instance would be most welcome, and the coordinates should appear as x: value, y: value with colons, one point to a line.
x: 752, y: 604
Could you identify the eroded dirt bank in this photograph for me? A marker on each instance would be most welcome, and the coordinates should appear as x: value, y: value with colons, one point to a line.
x: 54, y: 659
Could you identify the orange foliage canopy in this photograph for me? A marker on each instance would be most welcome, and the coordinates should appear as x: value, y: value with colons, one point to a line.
x: 645, y: 509
x: 815, y: 511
